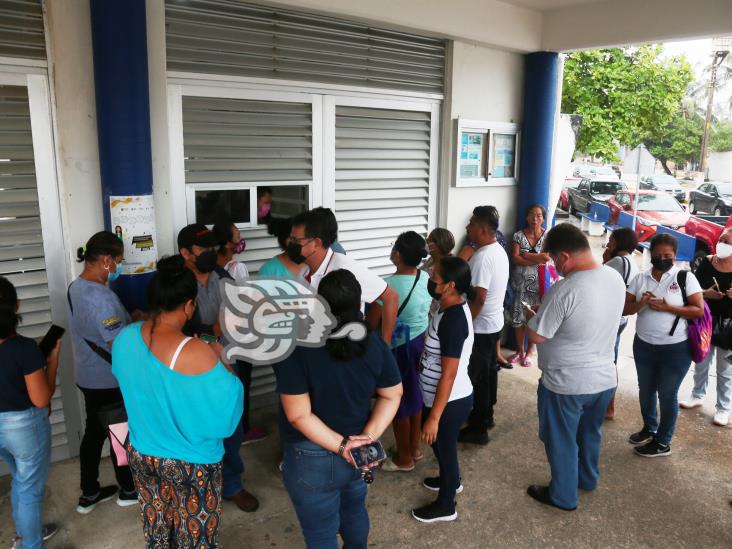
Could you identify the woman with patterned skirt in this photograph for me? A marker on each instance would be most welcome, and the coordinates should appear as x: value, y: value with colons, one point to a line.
x: 181, y: 402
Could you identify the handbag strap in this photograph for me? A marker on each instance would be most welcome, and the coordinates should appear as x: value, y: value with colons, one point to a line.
x: 103, y: 353
x: 681, y: 279
x: 404, y: 304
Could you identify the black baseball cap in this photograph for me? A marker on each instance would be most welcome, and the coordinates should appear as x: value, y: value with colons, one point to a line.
x: 196, y: 234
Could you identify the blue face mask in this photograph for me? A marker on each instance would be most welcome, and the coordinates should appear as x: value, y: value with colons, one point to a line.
x: 115, y: 275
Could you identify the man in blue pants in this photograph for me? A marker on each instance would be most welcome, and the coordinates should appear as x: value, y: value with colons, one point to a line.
x: 575, y: 329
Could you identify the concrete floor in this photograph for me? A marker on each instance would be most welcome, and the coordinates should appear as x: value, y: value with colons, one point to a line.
x: 679, y: 501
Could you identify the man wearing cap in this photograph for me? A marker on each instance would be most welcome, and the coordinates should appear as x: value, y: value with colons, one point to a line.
x: 198, y: 246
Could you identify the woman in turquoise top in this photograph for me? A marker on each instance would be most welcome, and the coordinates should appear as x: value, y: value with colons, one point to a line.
x: 414, y: 305
x: 181, y: 401
x: 280, y: 265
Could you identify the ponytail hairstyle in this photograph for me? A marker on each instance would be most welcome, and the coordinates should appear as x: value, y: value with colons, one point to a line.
x: 343, y: 293
x: 101, y: 244
x: 411, y: 247
x: 457, y: 270
x: 172, y: 285
x: 9, y: 317
x: 279, y: 227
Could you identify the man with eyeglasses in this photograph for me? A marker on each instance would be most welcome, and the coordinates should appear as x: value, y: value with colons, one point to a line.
x: 198, y: 246
x: 310, y: 243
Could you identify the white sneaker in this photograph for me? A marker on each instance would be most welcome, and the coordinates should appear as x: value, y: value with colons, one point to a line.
x: 721, y: 418
x: 691, y: 403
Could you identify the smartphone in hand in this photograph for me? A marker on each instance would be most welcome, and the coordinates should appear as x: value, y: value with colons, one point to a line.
x: 365, y: 455
x: 50, y: 339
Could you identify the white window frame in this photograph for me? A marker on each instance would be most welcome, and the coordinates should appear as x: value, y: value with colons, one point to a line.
x: 182, y: 197
x: 487, y: 128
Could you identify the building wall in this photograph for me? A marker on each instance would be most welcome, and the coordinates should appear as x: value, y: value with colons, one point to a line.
x: 720, y: 166
x: 485, y: 84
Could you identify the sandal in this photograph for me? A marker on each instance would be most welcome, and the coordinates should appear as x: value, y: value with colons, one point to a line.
x: 391, y: 467
x: 526, y: 362
x: 516, y: 358
x: 418, y: 457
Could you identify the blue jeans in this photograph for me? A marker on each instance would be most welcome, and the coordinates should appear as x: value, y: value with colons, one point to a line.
x: 661, y: 369
x: 724, y: 378
x: 25, y: 445
x: 445, y: 448
x: 328, y: 494
x: 232, y: 464
x: 570, y: 428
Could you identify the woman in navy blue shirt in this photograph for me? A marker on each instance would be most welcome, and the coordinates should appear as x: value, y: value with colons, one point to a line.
x: 326, y: 395
x: 27, y: 383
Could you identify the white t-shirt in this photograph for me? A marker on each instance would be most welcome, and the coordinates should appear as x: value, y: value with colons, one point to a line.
x: 237, y: 270
x: 626, y: 266
x: 449, y: 334
x: 372, y: 285
x: 489, y: 269
x: 579, y: 318
x: 654, y: 326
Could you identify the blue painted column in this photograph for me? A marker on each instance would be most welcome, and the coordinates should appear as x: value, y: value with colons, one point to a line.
x: 541, y: 86
x: 119, y: 41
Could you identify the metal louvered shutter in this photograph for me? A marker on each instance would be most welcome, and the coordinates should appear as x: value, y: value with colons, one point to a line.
x: 21, y: 242
x: 382, y: 178
x: 234, y: 38
x: 21, y: 29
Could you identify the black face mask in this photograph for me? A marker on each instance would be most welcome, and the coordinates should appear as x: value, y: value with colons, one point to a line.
x: 294, y: 252
x: 432, y: 290
x: 206, y: 262
x: 661, y: 264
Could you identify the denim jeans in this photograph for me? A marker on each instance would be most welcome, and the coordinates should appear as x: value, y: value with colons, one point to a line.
x: 25, y: 445
x: 661, y: 369
x: 233, y: 464
x: 570, y: 428
x: 445, y: 448
x: 724, y: 378
x: 328, y: 494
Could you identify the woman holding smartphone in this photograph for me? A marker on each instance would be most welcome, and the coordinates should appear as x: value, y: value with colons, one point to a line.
x: 446, y: 387
x: 326, y: 393
x: 661, y: 350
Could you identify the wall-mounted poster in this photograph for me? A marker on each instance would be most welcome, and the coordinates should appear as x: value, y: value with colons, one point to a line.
x: 471, y: 154
x: 133, y: 221
x: 504, y: 155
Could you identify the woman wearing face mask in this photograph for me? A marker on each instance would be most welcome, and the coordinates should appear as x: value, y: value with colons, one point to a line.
x: 446, y: 388
x: 662, y: 355
x: 264, y: 204
x: 280, y: 265
x: 715, y: 274
x: 182, y: 402
x: 96, y: 317
x: 232, y: 244
x: 618, y: 255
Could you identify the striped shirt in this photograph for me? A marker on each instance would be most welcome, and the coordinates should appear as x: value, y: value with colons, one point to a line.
x: 450, y: 334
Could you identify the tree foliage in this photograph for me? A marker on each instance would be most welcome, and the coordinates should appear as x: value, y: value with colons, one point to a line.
x: 721, y: 140
x: 625, y: 95
x: 679, y: 141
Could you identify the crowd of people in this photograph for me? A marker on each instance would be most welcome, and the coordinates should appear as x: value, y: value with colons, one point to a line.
x: 428, y: 368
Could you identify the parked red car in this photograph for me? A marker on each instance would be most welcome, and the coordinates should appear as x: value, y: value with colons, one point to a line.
x: 706, y: 229
x: 654, y: 208
x: 569, y: 183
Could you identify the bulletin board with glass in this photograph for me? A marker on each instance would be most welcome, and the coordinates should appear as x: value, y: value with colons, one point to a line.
x: 486, y: 153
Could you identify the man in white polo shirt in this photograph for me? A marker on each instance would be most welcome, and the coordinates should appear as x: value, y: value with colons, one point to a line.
x: 309, y: 243
x: 489, y: 274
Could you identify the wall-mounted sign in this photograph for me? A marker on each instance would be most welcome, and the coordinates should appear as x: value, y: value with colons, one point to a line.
x: 133, y: 221
x: 486, y: 154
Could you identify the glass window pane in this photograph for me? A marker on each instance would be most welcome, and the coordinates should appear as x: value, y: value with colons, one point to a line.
x: 283, y: 201
x: 214, y: 205
x: 471, y: 154
x: 504, y: 155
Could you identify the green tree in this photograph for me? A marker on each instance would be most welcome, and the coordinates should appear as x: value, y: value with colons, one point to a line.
x: 721, y: 140
x: 679, y: 141
x: 623, y: 94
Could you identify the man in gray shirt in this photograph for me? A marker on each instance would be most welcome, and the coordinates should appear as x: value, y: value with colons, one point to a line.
x: 575, y: 329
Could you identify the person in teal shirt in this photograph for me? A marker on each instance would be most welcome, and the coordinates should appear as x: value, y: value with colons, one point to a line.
x: 181, y: 402
x: 407, y: 344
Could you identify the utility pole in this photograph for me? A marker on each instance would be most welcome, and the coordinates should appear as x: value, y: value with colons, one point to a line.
x: 720, y: 49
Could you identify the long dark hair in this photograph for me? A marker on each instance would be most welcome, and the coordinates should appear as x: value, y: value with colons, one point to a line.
x: 171, y: 286
x: 9, y: 317
x: 457, y: 270
x: 279, y: 227
x: 411, y: 247
x: 102, y: 243
x: 343, y: 293
x: 224, y: 232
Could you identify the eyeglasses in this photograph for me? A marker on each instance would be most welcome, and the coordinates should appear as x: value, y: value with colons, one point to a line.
x: 297, y: 240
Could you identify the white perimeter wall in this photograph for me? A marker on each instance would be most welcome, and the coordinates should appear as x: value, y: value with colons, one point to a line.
x: 486, y: 84
x: 720, y: 166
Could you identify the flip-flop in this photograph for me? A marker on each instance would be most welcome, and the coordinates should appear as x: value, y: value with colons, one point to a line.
x: 515, y: 358
x: 526, y: 362
x: 419, y: 457
x: 390, y: 467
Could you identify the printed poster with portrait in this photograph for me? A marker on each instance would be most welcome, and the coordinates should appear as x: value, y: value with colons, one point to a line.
x: 133, y: 221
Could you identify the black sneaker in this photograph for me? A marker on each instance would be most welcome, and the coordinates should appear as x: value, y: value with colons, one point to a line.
x: 470, y: 436
x: 653, y: 449
x: 433, y: 483
x: 643, y: 436
x: 541, y: 494
x: 88, y: 503
x: 433, y: 513
x: 125, y: 498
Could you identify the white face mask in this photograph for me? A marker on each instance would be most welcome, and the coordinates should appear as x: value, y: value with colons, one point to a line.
x: 724, y: 250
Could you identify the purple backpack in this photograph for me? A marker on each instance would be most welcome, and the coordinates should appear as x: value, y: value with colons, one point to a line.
x: 699, y: 329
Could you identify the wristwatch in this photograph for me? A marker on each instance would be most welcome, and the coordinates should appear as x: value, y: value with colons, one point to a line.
x: 342, y: 446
